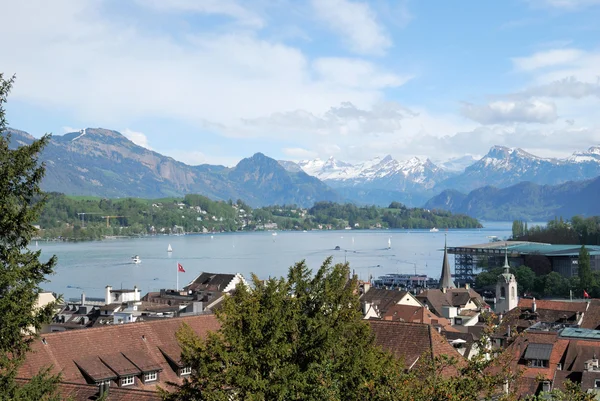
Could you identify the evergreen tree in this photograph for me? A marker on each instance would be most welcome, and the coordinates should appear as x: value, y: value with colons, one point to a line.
x: 586, y: 278
x: 21, y: 272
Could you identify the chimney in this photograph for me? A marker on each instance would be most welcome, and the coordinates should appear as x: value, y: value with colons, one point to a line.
x: 107, y: 299
x: 508, y: 333
x: 136, y: 293
x: 366, y: 287
x: 444, y: 290
x: 82, y: 298
x: 467, y: 286
x: 533, y: 306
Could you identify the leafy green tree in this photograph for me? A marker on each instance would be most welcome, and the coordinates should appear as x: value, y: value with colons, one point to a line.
x: 525, y: 278
x: 555, y: 285
x: 584, y: 271
x: 21, y: 272
x: 300, y: 338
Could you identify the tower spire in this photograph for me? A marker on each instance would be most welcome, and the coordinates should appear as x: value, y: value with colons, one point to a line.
x: 506, y: 265
x: 446, y: 278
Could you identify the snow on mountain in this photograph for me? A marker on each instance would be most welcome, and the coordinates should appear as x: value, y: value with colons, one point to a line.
x: 457, y: 164
x: 502, y: 167
x: 591, y: 155
x: 385, y: 173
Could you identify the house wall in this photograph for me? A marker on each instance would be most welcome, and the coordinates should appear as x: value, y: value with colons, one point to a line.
x: 410, y: 300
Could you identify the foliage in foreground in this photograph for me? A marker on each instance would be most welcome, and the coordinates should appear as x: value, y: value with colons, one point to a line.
x: 21, y: 272
x: 303, y: 338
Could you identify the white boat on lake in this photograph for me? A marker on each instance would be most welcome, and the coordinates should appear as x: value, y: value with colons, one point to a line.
x: 434, y: 230
x: 169, y: 249
x: 136, y: 259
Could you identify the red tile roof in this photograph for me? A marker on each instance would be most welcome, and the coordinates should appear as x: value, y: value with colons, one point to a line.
x: 412, y: 341
x: 527, y: 303
x: 84, y: 392
x: 140, y: 341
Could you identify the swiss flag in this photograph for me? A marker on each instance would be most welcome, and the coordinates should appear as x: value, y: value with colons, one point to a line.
x: 180, y: 268
x: 585, y: 294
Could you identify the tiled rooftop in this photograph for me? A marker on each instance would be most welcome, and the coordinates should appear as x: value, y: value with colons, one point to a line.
x: 123, y: 349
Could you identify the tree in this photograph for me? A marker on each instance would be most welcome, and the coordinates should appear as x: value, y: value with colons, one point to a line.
x: 584, y: 271
x: 21, y: 272
x: 525, y: 279
x: 300, y: 338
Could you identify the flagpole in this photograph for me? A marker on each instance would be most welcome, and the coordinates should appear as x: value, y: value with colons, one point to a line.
x: 177, y: 268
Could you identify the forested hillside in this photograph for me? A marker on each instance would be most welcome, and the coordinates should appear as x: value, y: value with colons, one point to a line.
x: 80, y: 218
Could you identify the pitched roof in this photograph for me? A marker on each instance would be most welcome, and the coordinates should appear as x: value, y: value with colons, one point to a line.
x: 446, y: 276
x: 591, y: 318
x: 210, y: 282
x: 384, y: 299
x: 412, y: 341
x: 85, y: 392
x: 416, y: 314
x: 124, y: 349
x: 457, y: 297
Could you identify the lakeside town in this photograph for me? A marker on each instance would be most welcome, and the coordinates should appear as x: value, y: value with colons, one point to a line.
x: 411, y: 316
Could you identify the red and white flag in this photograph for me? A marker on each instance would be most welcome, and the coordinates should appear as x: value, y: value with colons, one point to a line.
x: 180, y: 268
x: 585, y: 294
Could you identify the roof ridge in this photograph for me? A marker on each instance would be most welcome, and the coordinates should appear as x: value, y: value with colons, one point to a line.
x: 117, y: 326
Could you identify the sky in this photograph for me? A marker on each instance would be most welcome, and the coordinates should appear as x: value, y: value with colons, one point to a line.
x: 214, y: 81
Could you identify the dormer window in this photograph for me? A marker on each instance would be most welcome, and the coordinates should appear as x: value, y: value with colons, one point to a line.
x: 185, y: 371
x: 538, y: 363
x: 150, y: 376
x: 127, y: 381
x: 538, y: 355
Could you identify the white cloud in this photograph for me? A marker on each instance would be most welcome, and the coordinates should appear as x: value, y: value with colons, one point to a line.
x: 567, y: 87
x: 229, y: 8
x: 565, y: 4
x: 356, y: 73
x: 503, y: 112
x: 299, y: 153
x: 117, y: 72
x: 138, y: 138
x: 356, y: 23
x: 548, y: 58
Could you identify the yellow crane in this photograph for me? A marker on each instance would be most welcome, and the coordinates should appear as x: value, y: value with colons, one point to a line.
x: 108, y: 219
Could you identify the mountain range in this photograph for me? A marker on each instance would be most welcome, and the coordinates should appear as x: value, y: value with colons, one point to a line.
x: 414, y: 181
x: 525, y: 201
x: 101, y: 162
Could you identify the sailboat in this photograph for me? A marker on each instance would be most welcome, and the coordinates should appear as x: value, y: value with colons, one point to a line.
x: 169, y: 249
x: 389, y: 243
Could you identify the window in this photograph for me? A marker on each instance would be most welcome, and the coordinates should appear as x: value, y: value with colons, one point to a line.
x: 538, y: 363
x: 150, y: 376
x: 185, y: 371
x: 512, y: 293
x: 127, y: 381
x: 597, y: 383
x: 502, y: 292
x: 458, y: 321
x: 106, y: 383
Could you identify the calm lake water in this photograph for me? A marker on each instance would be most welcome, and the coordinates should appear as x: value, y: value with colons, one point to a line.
x: 90, y: 266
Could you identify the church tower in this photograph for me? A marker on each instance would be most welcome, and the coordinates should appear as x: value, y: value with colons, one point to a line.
x: 506, y: 288
x: 446, y: 278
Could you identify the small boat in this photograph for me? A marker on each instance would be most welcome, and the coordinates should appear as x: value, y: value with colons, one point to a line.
x: 136, y: 259
x: 274, y: 234
x: 389, y: 243
x: 337, y: 248
x: 169, y: 249
x: 434, y: 230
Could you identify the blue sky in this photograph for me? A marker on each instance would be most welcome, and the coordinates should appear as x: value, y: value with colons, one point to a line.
x: 213, y: 81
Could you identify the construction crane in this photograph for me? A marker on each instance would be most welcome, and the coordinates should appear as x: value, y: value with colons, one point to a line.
x: 108, y: 219
x: 82, y: 216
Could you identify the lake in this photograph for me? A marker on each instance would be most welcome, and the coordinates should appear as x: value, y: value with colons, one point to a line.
x: 90, y: 266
